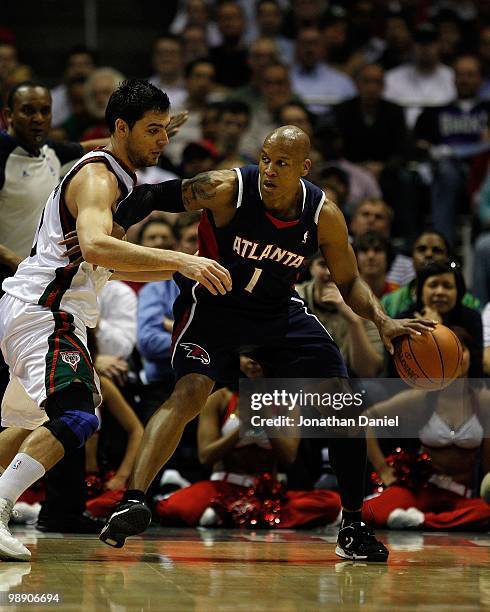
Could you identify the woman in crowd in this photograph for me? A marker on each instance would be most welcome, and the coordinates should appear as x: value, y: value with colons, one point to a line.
x: 453, y: 426
x: 440, y: 291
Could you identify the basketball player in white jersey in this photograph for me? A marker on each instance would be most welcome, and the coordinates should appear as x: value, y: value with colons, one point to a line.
x: 52, y: 298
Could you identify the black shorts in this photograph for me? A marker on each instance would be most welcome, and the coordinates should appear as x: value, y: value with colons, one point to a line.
x: 291, y: 343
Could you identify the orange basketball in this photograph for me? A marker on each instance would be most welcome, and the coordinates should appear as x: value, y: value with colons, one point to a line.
x: 430, y: 361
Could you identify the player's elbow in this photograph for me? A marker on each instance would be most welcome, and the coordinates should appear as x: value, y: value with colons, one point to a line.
x: 92, y: 251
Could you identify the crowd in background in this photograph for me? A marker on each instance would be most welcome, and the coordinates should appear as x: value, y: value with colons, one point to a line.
x: 395, y: 97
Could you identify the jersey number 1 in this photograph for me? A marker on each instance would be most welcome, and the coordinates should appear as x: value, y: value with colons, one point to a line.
x: 253, y: 281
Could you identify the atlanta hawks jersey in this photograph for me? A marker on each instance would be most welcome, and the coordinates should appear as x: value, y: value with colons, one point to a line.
x: 47, y: 277
x: 264, y: 255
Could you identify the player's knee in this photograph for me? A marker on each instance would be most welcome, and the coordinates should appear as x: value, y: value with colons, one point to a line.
x: 191, y: 393
x: 74, y: 426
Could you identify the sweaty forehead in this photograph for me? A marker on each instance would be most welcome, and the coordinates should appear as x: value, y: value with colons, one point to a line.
x: 284, y: 147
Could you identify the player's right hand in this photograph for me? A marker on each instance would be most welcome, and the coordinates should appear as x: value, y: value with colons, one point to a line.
x: 207, y: 272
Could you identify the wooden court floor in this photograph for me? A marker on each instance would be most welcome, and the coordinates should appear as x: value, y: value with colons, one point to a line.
x: 224, y: 570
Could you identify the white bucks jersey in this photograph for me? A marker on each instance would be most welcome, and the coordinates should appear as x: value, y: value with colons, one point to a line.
x: 47, y: 277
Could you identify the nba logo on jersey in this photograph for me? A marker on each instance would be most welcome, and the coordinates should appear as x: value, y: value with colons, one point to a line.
x: 71, y: 358
x: 16, y: 464
x: 194, y: 351
x: 305, y: 238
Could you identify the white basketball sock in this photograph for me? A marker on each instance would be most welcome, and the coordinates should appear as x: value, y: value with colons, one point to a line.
x: 19, y: 476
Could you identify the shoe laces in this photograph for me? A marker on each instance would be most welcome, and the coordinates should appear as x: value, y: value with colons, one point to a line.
x: 5, y: 514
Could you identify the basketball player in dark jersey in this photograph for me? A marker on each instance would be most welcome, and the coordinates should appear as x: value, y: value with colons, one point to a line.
x: 261, y: 223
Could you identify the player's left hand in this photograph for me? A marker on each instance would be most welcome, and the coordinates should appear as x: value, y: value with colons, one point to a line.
x: 71, y: 241
x: 176, y: 121
x: 392, y: 328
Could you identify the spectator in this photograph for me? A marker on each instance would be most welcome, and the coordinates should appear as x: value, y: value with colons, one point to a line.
x: 262, y: 52
x: 319, y: 85
x: 334, y: 30
x: 11, y: 70
x: 186, y: 230
x: 361, y: 184
x: 198, y: 157
x: 269, y: 20
x: 195, y: 14
x: 455, y: 448
x: 335, y: 182
x: 450, y: 30
x: 98, y: 89
x: 79, y: 119
x: 230, y: 58
x: 484, y: 57
x: 168, y: 64
x: 375, y: 135
x: 200, y: 90
x: 374, y: 256
x: 429, y: 246
x: 113, y: 471
x: 423, y: 82
x: 275, y: 91
x: 399, y: 42
x: 232, y: 125
x: 116, y: 331
x: 376, y: 215
x: 80, y: 63
x: 194, y: 45
x: 440, y: 292
x: 449, y: 133
x: 357, y: 338
x: 303, y: 14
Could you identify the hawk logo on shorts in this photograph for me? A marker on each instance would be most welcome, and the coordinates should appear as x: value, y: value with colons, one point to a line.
x: 71, y: 358
x: 16, y: 464
x: 194, y: 351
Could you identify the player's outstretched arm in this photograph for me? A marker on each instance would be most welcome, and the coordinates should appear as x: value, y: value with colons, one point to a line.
x: 91, y: 195
x: 333, y: 240
x: 216, y: 190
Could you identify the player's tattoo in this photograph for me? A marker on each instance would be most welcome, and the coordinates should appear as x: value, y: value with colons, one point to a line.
x: 201, y: 187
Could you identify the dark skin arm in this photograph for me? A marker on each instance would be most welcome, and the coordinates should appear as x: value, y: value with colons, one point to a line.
x: 216, y: 190
x: 334, y: 243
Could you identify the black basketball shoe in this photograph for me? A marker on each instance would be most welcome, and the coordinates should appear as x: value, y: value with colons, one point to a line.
x: 130, y: 517
x: 357, y: 541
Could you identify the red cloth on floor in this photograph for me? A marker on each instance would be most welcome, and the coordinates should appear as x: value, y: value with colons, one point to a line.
x: 101, y: 505
x: 185, y: 507
x: 443, y: 509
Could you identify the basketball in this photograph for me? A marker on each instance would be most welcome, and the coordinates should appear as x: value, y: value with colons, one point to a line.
x: 430, y: 361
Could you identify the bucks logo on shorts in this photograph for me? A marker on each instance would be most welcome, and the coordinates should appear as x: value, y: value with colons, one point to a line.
x: 72, y: 358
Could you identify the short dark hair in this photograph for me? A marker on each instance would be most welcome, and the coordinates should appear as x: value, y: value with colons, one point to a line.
x: 235, y: 107
x: 431, y: 230
x: 184, y: 221
x: 375, y: 240
x: 15, y: 88
x: 83, y: 49
x: 167, y: 36
x: 132, y: 99
x: 189, y: 67
x: 152, y: 221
